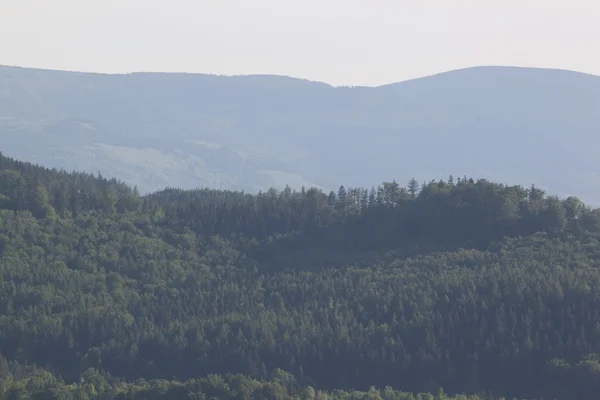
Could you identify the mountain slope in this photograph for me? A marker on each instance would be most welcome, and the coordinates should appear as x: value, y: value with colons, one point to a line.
x: 187, y: 130
x: 472, y: 286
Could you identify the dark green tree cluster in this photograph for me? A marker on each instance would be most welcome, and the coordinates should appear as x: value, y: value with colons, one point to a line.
x: 468, y: 285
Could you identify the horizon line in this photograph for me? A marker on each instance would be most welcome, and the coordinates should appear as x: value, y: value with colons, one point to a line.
x: 73, y: 71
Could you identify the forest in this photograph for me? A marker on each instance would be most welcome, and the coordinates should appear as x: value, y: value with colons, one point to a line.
x: 457, y: 288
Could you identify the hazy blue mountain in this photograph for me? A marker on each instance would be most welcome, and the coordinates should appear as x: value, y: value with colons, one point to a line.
x: 517, y: 125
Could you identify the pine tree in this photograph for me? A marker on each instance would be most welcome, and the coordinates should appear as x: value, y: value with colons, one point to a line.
x: 413, y: 188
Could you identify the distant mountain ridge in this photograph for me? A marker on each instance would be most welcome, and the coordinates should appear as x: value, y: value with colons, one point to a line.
x: 154, y: 130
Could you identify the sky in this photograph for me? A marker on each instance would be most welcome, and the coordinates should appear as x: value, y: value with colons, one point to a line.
x: 341, y: 42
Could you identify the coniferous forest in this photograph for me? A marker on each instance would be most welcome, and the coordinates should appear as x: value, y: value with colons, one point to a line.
x: 449, y: 289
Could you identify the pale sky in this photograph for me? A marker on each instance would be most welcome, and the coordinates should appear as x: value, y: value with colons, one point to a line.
x: 341, y: 42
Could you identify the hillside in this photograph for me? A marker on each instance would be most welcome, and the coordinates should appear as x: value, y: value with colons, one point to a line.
x: 249, y: 133
x: 461, y: 284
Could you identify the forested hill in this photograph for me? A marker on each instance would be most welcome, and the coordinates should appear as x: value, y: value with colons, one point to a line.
x: 379, y: 293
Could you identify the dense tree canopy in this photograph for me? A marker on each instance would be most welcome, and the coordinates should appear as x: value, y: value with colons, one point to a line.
x: 472, y: 286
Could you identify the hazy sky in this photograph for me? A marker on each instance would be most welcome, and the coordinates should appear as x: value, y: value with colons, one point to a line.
x: 342, y: 42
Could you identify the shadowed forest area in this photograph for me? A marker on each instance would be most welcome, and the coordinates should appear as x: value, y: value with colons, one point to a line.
x: 417, y: 291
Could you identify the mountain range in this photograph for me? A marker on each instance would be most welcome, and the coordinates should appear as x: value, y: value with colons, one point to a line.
x: 156, y: 130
